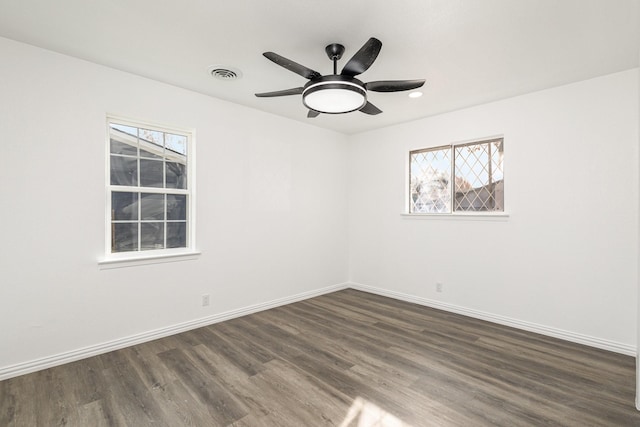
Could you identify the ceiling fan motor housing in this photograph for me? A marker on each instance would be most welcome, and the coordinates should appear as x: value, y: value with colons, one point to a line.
x: 334, y: 94
x: 334, y: 51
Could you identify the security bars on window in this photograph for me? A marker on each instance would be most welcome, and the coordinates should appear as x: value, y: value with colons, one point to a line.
x: 148, y: 189
x: 475, y: 169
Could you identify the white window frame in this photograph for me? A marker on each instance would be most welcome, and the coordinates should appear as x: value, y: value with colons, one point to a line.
x: 142, y: 257
x: 472, y: 215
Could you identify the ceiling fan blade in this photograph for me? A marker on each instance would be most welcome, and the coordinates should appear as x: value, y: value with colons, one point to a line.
x: 393, y: 85
x: 370, y: 109
x: 362, y: 60
x: 290, y: 65
x: 285, y: 92
x: 312, y: 113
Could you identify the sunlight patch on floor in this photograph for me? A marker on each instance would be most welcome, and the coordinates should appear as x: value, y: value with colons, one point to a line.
x: 363, y: 413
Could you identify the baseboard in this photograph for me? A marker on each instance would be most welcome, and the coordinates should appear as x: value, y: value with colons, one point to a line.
x: 94, y: 350
x: 502, y: 320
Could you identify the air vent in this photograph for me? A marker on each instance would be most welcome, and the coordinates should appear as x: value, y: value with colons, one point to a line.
x: 225, y: 73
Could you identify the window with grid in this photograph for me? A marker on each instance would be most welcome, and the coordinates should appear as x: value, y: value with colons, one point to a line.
x: 457, y: 178
x: 149, y: 196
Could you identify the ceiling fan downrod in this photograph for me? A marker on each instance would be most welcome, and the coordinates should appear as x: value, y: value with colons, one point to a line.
x: 334, y: 52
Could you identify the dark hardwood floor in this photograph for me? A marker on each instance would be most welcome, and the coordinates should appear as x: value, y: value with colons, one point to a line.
x: 344, y: 359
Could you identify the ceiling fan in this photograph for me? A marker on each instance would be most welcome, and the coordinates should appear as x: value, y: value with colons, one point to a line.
x: 339, y: 93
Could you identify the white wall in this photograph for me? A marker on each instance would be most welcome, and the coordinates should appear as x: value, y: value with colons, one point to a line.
x: 271, y: 208
x: 565, y: 261
x: 638, y: 312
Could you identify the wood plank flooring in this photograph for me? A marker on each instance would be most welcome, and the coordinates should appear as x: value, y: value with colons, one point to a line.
x: 344, y: 359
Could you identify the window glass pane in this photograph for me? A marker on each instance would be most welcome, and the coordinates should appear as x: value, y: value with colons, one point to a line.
x: 151, y: 206
x: 151, y: 173
x: 478, y: 177
x: 176, y: 175
x: 151, y: 143
x: 118, y: 147
x: 176, y: 207
x: 124, y: 171
x: 152, y: 136
x: 124, y: 129
x: 151, y: 235
x: 176, y: 235
x: 176, y: 144
x: 124, y: 237
x: 124, y: 206
x: 146, y: 151
x: 430, y: 181
x: 123, y: 140
x: 497, y: 160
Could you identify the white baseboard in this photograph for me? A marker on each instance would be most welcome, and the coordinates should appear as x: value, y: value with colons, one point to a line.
x: 613, y: 346
x: 94, y: 350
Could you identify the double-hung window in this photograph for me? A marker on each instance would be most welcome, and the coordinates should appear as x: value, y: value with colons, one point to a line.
x: 457, y: 178
x: 149, y: 191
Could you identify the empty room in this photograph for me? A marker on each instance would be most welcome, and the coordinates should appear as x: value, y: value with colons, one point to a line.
x: 279, y: 213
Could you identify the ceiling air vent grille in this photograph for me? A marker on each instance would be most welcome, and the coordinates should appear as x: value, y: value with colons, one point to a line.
x: 225, y: 73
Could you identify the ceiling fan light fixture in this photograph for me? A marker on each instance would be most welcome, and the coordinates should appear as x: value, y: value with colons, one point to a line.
x: 339, y: 93
x: 333, y: 95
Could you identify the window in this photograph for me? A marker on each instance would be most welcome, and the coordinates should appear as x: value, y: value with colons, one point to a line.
x: 457, y: 178
x: 149, y: 189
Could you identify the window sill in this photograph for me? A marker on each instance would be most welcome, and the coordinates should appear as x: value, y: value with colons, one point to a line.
x: 132, y: 261
x: 501, y: 217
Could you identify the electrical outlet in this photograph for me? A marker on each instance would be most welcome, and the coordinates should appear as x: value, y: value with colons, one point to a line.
x: 205, y: 300
x: 438, y: 286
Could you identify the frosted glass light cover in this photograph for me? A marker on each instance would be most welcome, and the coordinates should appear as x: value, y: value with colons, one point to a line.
x: 334, y: 100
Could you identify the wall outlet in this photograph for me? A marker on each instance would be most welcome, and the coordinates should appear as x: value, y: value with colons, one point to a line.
x: 205, y: 300
x: 438, y: 287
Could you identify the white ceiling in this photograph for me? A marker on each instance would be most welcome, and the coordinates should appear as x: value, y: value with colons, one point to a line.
x: 469, y: 51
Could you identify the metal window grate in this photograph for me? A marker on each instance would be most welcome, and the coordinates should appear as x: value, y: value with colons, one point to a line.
x: 464, y: 177
x: 430, y: 177
x: 479, y: 180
